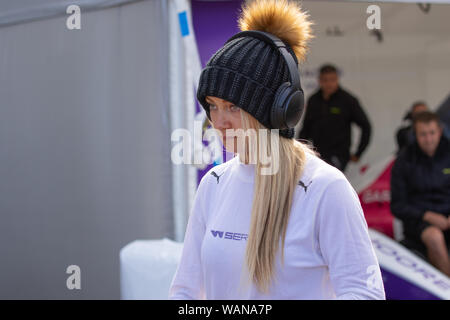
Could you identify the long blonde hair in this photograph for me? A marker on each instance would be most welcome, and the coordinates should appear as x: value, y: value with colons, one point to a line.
x: 273, y: 194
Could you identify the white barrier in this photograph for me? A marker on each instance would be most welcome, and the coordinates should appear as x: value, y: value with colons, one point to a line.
x: 148, y: 266
x: 408, y: 270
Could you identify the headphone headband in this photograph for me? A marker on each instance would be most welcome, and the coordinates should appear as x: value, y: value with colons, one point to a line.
x: 280, y: 46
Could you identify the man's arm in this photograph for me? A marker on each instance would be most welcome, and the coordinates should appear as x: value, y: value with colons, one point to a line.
x: 359, y: 117
x: 400, y: 204
x: 437, y: 219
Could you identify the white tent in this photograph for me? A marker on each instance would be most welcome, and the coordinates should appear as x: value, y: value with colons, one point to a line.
x: 84, y: 142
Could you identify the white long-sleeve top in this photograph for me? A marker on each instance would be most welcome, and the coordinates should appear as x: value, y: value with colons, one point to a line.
x: 327, y: 253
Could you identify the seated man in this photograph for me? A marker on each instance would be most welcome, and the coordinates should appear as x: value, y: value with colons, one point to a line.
x: 420, y: 190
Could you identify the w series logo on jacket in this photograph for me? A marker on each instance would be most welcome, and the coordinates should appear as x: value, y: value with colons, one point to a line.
x: 229, y: 235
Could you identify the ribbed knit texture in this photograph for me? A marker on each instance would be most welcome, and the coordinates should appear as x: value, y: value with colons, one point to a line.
x: 247, y: 72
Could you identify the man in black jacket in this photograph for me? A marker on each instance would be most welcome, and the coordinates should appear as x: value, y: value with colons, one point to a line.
x: 420, y: 190
x: 327, y: 123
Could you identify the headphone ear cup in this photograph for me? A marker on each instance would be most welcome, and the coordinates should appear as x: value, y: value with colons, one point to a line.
x: 287, y: 107
x: 295, y: 108
x: 277, y: 119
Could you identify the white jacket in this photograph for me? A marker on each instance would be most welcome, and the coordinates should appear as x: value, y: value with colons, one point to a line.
x: 327, y: 255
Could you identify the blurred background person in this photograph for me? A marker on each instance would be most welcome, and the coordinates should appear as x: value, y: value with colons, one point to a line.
x: 405, y: 134
x: 420, y: 191
x: 329, y: 115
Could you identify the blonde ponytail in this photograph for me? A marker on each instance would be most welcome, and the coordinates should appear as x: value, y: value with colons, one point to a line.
x: 273, y: 194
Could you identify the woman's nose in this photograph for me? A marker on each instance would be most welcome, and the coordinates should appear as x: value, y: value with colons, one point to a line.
x: 222, y: 120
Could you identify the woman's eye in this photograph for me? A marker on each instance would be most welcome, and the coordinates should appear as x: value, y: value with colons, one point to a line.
x: 232, y: 108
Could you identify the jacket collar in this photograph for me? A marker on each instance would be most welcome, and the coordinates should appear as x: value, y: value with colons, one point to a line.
x: 443, y: 147
x: 337, y: 92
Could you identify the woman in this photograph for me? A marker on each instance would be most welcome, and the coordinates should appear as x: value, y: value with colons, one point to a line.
x: 297, y: 232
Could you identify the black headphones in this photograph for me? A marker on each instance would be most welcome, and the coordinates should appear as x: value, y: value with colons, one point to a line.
x: 289, y: 102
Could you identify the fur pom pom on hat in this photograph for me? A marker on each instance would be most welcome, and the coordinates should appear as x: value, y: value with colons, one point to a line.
x: 247, y: 71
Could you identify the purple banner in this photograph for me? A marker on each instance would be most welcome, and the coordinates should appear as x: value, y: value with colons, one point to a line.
x: 214, y: 22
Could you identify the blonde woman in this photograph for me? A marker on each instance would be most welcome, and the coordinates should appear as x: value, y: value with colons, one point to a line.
x: 288, y: 227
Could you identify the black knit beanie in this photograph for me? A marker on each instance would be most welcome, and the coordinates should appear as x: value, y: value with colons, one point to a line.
x: 246, y: 71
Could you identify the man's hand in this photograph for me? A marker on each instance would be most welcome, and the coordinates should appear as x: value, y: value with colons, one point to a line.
x: 354, y: 158
x: 437, y: 219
